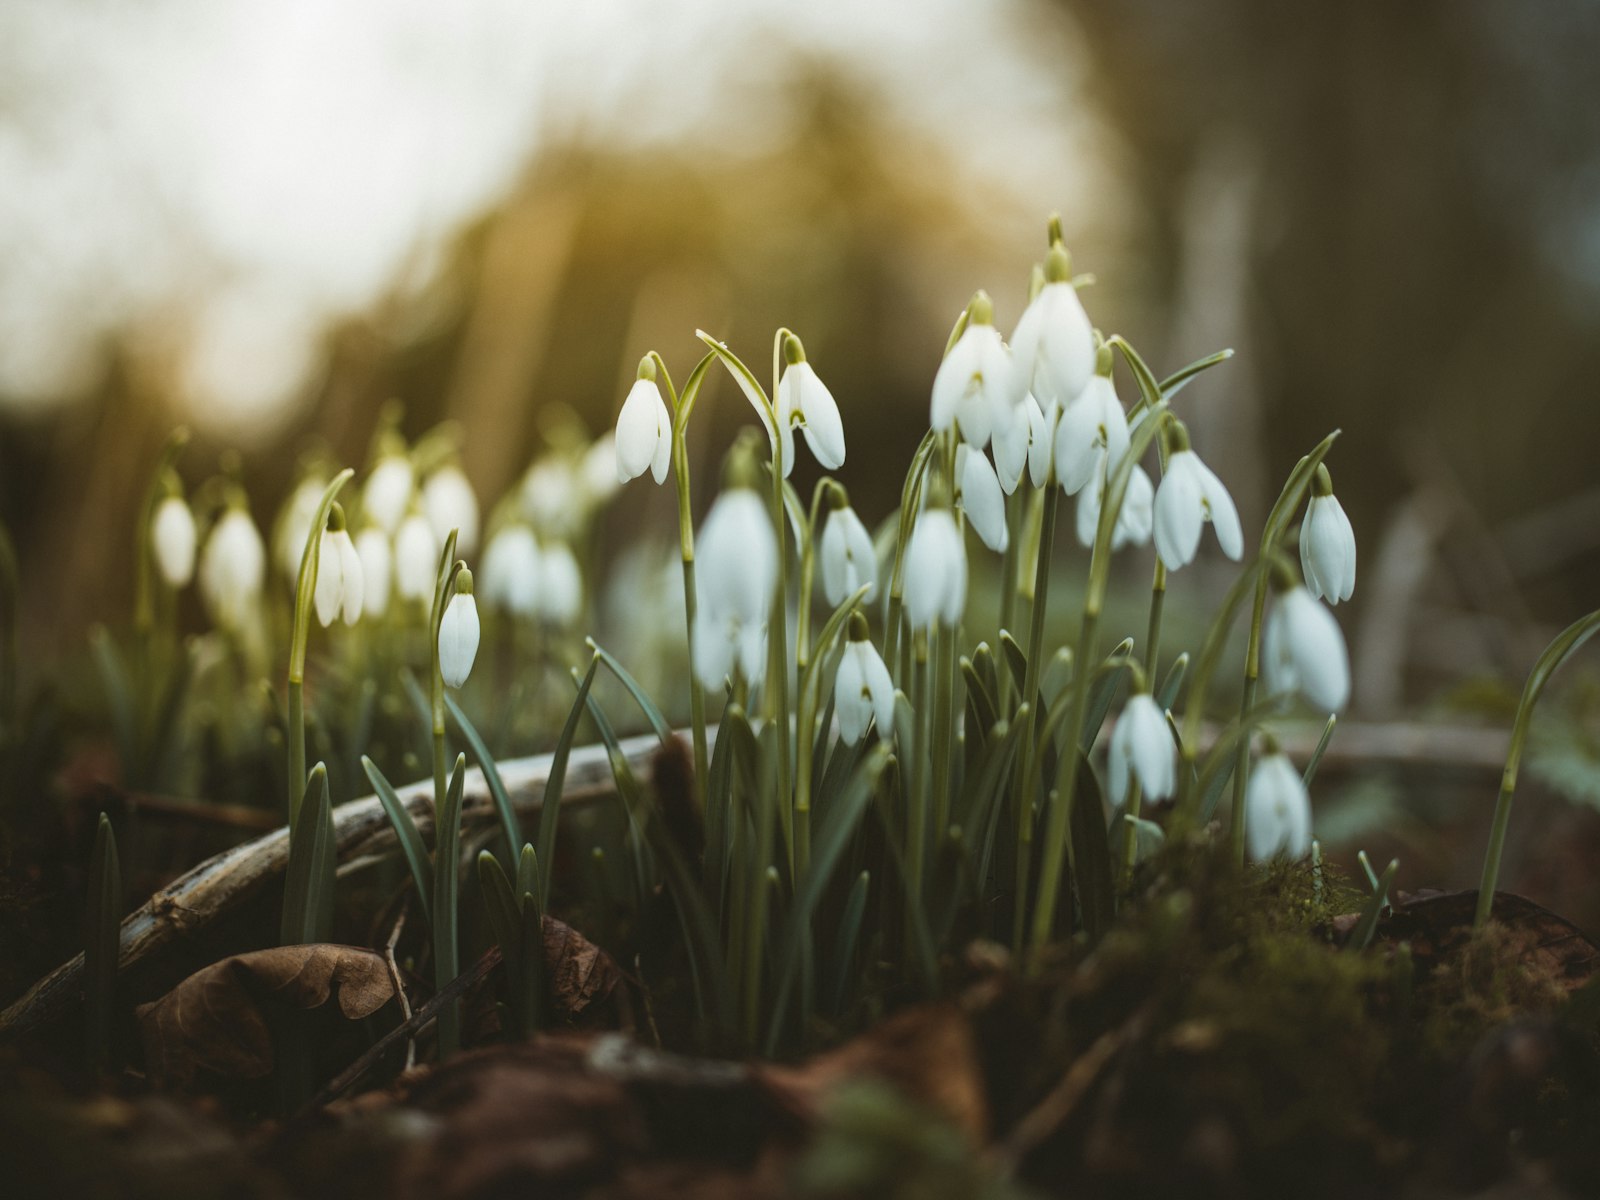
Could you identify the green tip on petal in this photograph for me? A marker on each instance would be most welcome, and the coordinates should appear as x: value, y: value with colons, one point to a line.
x: 937, y: 490
x: 647, y: 368
x: 742, y: 467
x: 858, y: 626
x: 1103, y: 360
x: 1284, y: 577
x: 834, y: 495
x: 1058, y: 264
x: 1177, y: 436
x: 980, y: 311
x: 1053, y: 235
x: 463, y: 580
x: 1322, y: 482
x: 793, y: 351
x: 336, y: 521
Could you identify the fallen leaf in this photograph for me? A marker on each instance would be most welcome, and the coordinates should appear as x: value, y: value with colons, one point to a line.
x: 219, y: 1021
x: 580, y: 973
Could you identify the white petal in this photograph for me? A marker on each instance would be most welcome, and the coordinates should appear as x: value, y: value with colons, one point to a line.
x: 752, y: 646
x: 1041, y: 440
x: 1219, y: 510
x: 449, y: 503
x: 458, y: 639
x: 416, y: 559
x: 1012, y: 448
x: 851, y: 703
x: 172, y: 537
x: 1277, y: 809
x: 1088, y: 522
x: 713, y: 652
x: 326, y: 593
x: 983, y: 502
x: 819, y: 414
x: 1177, y: 511
x: 641, y: 426
x: 1321, y: 661
x: 935, y: 571
x: 881, y: 688
x: 737, y: 557
x: 560, y: 594
x: 377, y: 570
x: 1054, y: 344
x: 848, y: 559
x: 388, y: 490
x: 352, y: 582
x: 1137, y: 514
x: 1328, y: 550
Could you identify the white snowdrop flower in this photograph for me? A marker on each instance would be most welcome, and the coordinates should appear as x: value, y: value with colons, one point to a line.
x: 1277, y: 809
x: 1304, y: 651
x: 1013, y: 447
x: 1134, y: 519
x: 935, y: 571
x: 449, y: 503
x: 294, y: 525
x: 848, y: 557
x: 976, y: 386
x: 458, y: 633
x: 547, y: 491
x: 339, y: 580
x: 559, y: 599
x: 172, y: 540
x: 1092, y: 435
x: 377, y: 570
x: 979, y: 496
x: 388, y: 491
x: 232, y: 566
x: 1053, y: 346
x: 416, y: 559
x: 644, y: 429
x: 1190, y: 495
x: 1142, y: 749
x: 511, y: 570
x: 863, y: 689
x: 736, y: 560
x: 597, y: 471
x: 1327, y: 543
x: 804, y: 400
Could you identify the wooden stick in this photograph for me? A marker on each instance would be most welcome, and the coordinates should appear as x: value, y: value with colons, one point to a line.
x: 197, y: 898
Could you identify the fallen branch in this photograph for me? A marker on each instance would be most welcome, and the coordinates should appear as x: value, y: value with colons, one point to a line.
x: 197, y: 898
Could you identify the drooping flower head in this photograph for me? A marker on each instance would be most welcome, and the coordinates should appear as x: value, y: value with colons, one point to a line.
x: 1189, y: 496
x: 1327, y: 543
x: 644, y: 429
x: 736, y: 575
x: 416, y: 559
x: 172, y: 540
x: 863, y: 690
x: 976, y: 387
x: 388, y: 490
x: 511, y: 570
x: 377, y: 570
x: 559, y: 600
x: 339, y: 583
x: 232, y: 567
x: 935, y: 578
x: 805, y: 401
x: 450, y: 503
x: 1142, y: 749
x: 1134, y: 519
x: 1092, y: 435
x: 1277, y: 808
x: 848, y: 560
x: 458, y: 632
x: 1053, y: 347
x: 1303, y: 649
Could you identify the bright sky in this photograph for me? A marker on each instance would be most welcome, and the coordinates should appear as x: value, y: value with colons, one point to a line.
x: 221, y: 177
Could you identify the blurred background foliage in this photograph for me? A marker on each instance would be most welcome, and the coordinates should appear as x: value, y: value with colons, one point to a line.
x: 1391, y: 211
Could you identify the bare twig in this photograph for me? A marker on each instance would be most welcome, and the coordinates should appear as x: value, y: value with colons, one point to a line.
x: 399, y: 983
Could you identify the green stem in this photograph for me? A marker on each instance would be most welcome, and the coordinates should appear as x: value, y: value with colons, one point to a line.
x: 1247, y: 699
x: 944, y: 733
x: 1152, y: 637
x: 1008, y: 581
x: 778, y: 657
x: 1131, y: 847
x: 917, y: 801
x: 697, y: 700
x: 1025, y: 781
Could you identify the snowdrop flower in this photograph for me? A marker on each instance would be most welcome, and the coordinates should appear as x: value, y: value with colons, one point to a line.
x: 1277, y: 809
x: 547, y: 491
x: 976, y: 386
x: 511, y: 570
x: 1190, y: 495
x: 1327, y: 543
x: 294, y: 525
x: 339, y: 579
x: 862, y: 690
x: 377, y: 570
x: 559, y: 599
x: 416, y: 559
x: 979, y: 496
x: 1028, y: 446
x: 935, y: 570
x: 1054, y: 346
x: 388, y: 492
x: 804, y: 400
x: 172, y: 540
x: 1092, y: 435
x: 458, y: 633
x: 1141, y: 748
x: 1134, y: 518
x: 1305, y: 651
x: 848, y: 558
x: 737, y: 572
x: 231, y: 568
x: 449, y: 502
x: 644, y: 429
x: 597, y: 471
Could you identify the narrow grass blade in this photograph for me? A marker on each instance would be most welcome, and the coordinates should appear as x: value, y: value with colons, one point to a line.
x: 550, y: 805
x: 1091, y: 854
x: 509, y: 824
x: 405, y: 831
x: 119, y: 697
x: 500, y: 909
x: 102, y: 944
x: 1322, y: 748
x: 1361, y: 935
x: 446, y: 933
x: 307, y: 878
x: 844, y: 952
x: 1167, y: 693
x: 658, y: 723
x: 1179, y: 379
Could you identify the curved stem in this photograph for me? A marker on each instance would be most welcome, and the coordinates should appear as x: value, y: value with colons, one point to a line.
x: 1024, y: 780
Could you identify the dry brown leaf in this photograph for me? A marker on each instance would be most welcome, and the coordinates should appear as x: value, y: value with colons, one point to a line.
x: 580, y: 973
x: 219, y: 1020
